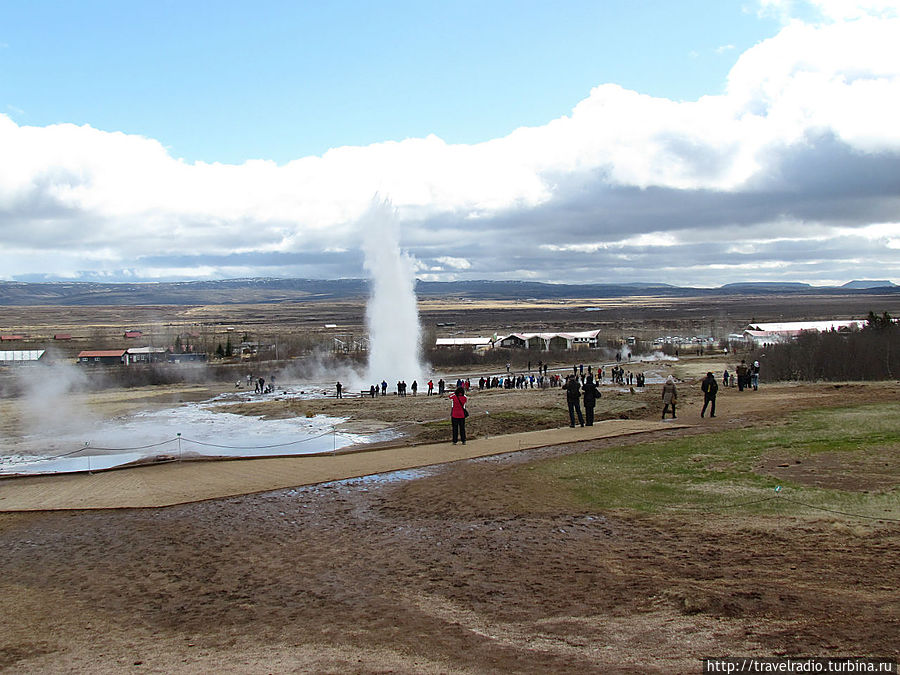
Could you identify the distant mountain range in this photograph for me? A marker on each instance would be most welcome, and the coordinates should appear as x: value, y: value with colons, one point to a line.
x: 250, y: 291
x: 868, y: 284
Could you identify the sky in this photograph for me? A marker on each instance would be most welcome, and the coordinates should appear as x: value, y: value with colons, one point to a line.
x: 693, y: 143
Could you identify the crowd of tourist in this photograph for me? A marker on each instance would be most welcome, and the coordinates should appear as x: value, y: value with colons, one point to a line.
x: 581, y: 386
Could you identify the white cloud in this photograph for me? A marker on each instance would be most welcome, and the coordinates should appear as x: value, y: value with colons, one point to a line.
x: 650, y: 239
x: 623, y: 173
x: 643, y: 240
x: 831, y: 10
x: 454, y: 263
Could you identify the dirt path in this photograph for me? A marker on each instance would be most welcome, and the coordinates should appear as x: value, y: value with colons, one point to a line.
x: 457, y: 571
x: 181, y: 482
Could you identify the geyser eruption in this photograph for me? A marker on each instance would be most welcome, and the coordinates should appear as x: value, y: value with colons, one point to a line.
x: 392, y: 317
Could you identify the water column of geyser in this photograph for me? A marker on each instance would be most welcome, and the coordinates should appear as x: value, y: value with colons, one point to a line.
x: 392, y: 316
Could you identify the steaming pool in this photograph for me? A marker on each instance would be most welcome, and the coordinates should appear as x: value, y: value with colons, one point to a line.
x: 188, y: 431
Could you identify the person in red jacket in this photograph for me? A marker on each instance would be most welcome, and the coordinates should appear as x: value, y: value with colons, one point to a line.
x: 458, y: 414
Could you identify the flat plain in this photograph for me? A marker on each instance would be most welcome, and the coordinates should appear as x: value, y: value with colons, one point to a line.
x: 769, y: 530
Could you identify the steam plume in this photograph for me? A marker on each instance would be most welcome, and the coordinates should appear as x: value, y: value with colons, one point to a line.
x: 392, y: 316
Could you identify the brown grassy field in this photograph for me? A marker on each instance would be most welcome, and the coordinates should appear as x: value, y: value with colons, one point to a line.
x: 300, y: 325
x: 513, y: 563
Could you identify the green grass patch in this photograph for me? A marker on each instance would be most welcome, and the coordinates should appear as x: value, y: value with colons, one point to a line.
x: 719, y: 470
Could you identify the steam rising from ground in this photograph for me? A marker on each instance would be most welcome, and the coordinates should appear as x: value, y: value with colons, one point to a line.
x: 658, y: 356
x: 392, y: 316
x: 48, y: 405
x: 319, y: 369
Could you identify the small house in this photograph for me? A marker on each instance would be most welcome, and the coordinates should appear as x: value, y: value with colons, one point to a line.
x: 102, y: 357
x: 186, y: 357
x: 138, y: 355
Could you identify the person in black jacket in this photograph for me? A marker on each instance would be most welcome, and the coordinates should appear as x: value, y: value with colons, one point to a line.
x: 573, y: 398
x: 591, y: 394
x: 710, y: 388
x: 743, y: 376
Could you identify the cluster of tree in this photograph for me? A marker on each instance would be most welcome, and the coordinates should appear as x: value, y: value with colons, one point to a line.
x: 872, y: 353
x: 225, y: 352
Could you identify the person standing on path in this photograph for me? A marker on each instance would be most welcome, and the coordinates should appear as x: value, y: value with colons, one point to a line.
x: 573, y: 399
x: 710, y: 388
x: 591, y: 394
x: 742, y: 376
x: 458, y: 414
x: 339, y: 388
x: 669, y: 396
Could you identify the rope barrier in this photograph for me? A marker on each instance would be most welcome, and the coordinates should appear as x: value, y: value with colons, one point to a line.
x: 87, y: 446
x: 226, y: 447
x: 726, y: 506
x: 257, y: 447
x: 843, y: 513
x: 185, y: 440
x: 131, y: 449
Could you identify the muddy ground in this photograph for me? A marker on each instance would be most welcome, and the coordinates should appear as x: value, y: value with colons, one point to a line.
x: 465, y: 569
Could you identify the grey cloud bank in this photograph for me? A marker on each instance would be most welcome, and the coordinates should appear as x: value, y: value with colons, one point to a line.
x: 792, y: 174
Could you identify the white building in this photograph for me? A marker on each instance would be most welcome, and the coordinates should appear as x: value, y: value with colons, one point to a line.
x: 11, y: 356
x: 465, y: 343
x: 541, y: 341
x: 547, y: 341
x: 771, y: 333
